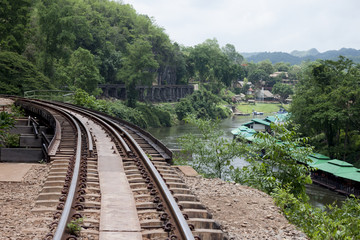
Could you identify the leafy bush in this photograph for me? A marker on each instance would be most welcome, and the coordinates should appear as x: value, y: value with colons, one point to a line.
x: 169, y: 108
x: 7, y: 122
x: 144, y: 115
x: 149, y: 115
x: 154, y: 116
x: 203, y: 104
x: 17, y: 111
x: 333, y: 223
x: 211, y: 152
x: 164, y: 117
x: 184, y: 108
x: 274, y: 158
x: 11, y: 140
x: 132, y: 115
x: 74, y: 227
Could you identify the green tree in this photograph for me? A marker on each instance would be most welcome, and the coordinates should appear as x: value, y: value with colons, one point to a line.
x: 234, y: 57
x: 14, y: 18
x: 282, y: 67
x: 273, y: 160
x: 139, y: 67
x: 211, y: 152
x: 203, y: 104
x: 83, y: 72
x: 257, y: 77
x: 332, y: 223
x: 283, y: 90
x: 18, y: 75
x: 267, y: 66
x: 210, y: 64
x: 327, y: 102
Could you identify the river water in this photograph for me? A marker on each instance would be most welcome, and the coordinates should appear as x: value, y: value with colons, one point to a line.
x: 319, y: 196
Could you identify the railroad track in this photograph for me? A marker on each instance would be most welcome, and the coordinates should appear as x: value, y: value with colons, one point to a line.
x: 165, y: 207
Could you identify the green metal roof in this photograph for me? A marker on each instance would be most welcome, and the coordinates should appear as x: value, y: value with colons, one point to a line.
x: 278, y: 118
x: 354, y: 176
x: 241, y: 130
x: 247, y: 123
x: 270, y: 118
x: 336, y: 167
x: 282, y: 117
x: 261, y: 121
x: 236, y: 132
x: 251, y: 131
x: 314, y: 161
x: 340, y: 163
x: 320, y: 156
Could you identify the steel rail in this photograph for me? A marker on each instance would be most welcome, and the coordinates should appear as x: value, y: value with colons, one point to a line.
x: 179, y: 219
x: 71, y: 194
x: 55, y: 142
x: 119, y: 121
x: 116, y: 133
x: 65, y: 215
x: 183, y: 227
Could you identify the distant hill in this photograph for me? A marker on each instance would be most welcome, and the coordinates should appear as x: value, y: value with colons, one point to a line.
x: 310, y: 52
x: 296, y: 57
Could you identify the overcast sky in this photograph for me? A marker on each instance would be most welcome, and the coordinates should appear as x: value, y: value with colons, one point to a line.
x: 258, y: 25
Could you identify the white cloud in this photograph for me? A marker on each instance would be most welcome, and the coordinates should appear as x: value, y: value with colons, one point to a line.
x: 258, y: 25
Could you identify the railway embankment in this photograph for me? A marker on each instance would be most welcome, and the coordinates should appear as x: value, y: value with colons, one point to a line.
x: 242, y: 211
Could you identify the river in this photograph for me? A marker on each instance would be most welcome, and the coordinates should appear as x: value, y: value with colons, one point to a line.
x: 319, y: 196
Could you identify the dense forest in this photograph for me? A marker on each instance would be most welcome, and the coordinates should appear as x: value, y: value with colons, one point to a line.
x: 69, y: 44
x: 77, y: 44
x: 326, y: 105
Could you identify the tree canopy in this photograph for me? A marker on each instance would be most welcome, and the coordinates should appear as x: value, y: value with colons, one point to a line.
x: 19, y: 75
x: 327, y: 101
x: 53, y: 35
x: 283, y: 90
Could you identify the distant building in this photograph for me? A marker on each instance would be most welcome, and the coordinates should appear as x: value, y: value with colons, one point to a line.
x: 241, y: 84
x: 285, y: 78
x: 276, y: 74
x: 264, y: 95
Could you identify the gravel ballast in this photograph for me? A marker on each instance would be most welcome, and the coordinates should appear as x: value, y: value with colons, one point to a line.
x: 243, y: 212
x: 16, y: 201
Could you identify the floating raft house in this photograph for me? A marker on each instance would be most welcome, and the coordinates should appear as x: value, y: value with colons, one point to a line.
x: 322, y: 164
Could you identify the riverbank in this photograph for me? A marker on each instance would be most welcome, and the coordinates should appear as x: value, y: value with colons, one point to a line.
x: 265, y: 107
x: 243, y: 212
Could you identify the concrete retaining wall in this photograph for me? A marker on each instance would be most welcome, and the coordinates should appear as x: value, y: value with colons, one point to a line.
x: 23, y: 155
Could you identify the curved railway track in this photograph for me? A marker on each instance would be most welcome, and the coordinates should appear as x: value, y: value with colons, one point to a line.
x: 165, y: 207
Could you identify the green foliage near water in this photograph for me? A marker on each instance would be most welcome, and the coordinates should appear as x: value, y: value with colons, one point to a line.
x: 332, y: 223
x: 154, y: 116
x: 273, y: 160
x: 203, y: 104
x: 274, y: 169
x: 211, y: 152
x: 143, y: 115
